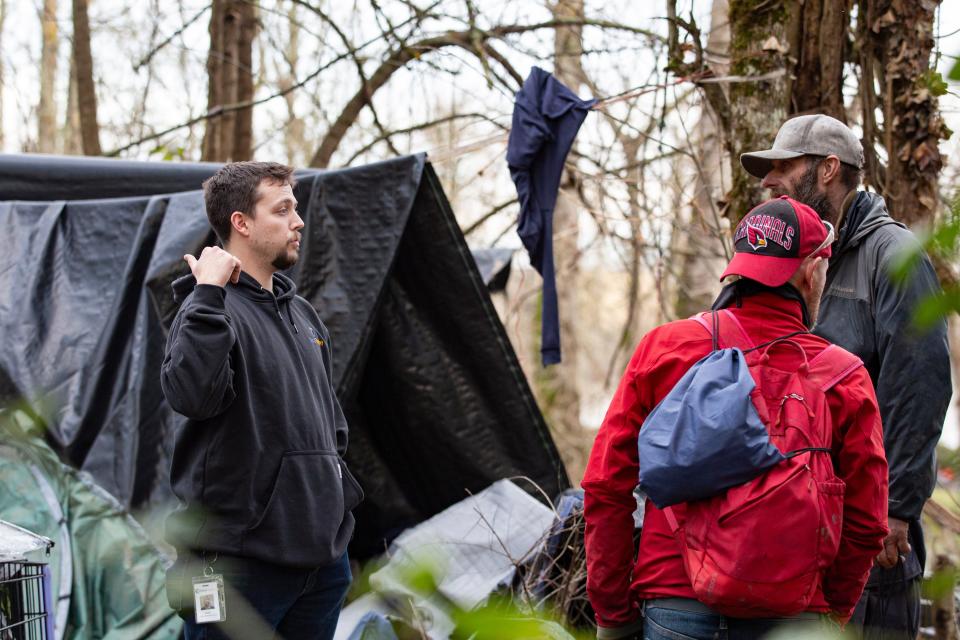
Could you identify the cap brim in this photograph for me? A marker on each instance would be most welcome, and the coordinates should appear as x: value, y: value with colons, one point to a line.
x: 769, y: 270
x: 759, y: 163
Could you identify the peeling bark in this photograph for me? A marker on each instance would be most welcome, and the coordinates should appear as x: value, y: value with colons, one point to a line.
x: 898, y: 36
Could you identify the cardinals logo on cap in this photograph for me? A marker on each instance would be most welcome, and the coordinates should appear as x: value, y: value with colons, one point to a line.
x: 756, y: 238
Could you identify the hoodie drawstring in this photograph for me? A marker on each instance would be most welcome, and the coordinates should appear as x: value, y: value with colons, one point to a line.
x: 276, y: 305
x: 290, y: 314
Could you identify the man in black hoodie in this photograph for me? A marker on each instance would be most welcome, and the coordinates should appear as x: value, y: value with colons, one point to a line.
x: 258, y: 467
x: 817, y: 160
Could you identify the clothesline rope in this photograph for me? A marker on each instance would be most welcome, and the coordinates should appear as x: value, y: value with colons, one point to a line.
x: 701, y: 77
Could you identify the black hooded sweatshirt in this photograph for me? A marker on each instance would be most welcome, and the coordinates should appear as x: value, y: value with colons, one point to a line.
x: 258, y: 464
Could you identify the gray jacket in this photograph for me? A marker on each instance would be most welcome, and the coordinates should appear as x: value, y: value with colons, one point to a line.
x: 866, y: 313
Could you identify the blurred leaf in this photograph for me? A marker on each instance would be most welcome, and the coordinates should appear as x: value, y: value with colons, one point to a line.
x: 941, y: 583
x: 935, y: 83
x: 955, y: 72
x: 903, y: 264
x: 506, y: 622
x: 421, y: 580
x: 936, y: 307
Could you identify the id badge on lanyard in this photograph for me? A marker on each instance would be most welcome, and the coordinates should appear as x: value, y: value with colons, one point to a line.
x: 209, y: 603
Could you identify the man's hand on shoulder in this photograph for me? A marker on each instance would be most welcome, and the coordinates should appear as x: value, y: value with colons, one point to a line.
x: 895, y: 545
x: 215, y: 266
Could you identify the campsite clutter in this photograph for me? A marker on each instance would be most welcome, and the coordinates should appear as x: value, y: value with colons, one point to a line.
x: 25, y: 599
x: 94, y: 247
x: 482, y: 557
x: 499, y: 559
x: 104, y: 574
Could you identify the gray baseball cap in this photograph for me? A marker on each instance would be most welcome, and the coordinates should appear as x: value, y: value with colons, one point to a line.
x: 817, y: 135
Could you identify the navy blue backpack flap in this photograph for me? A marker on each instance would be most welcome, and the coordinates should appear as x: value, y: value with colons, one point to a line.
x: 706, y: 435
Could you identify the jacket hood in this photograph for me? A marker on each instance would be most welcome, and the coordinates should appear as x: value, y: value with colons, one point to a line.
x: 867, y: 213
x: 283, y: 287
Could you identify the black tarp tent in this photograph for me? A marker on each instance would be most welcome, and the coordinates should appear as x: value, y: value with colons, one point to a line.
x: 435, y: 397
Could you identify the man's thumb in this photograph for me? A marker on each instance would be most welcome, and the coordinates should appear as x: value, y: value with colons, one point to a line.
x: 191, y: 261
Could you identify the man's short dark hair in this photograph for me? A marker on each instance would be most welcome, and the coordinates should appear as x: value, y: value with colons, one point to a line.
x: 850, y: 176
x: 234, y: 188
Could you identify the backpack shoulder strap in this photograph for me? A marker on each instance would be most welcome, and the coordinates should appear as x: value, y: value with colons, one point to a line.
x: 832, y: 365
x: 731, y: 332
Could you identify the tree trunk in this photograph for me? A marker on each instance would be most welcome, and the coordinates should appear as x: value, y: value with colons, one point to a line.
x: 898, y: 36
x: 761, y: 31
x: 86, y: 89
x: 944, y: 603
x: 211, y: 134
x: 47, y: 109
x: 232, y: 29
x: 71, y: 121
x: 953, y: 329
x: 294, y: 133
x: 699, y: 234
x: 557, y: 385
x: 229, y: 79
x: 819, y: 42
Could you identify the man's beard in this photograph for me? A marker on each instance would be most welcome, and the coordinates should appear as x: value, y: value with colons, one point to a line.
x: 806, y: 192
x: 284, y: 260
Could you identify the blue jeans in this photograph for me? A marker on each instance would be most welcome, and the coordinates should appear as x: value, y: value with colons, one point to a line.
x: 670, y: 624
x: 265, y: 600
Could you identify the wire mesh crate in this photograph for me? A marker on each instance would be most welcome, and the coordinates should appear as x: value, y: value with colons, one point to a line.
x: 24, y: 601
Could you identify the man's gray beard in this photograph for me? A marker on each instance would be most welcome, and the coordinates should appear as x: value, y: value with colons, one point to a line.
x: 807, y: 193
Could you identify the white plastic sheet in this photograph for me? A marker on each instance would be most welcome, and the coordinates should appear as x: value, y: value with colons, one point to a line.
x: 477, y: 544
x: 16, y: 542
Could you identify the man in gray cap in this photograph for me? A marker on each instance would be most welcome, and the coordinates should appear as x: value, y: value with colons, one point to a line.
x: 817, y: 160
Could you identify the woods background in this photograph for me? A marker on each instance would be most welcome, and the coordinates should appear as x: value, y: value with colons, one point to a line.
x: 652, y: 184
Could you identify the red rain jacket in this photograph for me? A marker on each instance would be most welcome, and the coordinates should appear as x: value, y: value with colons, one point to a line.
x: 616, y: 580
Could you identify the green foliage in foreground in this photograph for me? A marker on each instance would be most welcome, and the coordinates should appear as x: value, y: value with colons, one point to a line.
x: 942, y: 243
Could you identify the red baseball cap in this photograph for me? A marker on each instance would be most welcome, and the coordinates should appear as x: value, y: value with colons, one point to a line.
x: 774, y: 238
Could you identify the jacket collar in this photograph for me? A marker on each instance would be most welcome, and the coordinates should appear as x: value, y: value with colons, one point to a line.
x: 783, y: 305
x: 865, y: 212
x: 283, y: 287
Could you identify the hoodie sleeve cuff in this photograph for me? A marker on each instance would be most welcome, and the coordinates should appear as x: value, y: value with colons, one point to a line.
x: 209, y: 295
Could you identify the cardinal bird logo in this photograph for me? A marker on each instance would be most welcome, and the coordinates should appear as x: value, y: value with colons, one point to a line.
x: 756, y: 238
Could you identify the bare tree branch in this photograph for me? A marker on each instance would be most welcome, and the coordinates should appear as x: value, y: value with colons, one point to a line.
x: 400, y: 56
x: 497, y: 209
x: 145, y: 60
x: 421, y: 127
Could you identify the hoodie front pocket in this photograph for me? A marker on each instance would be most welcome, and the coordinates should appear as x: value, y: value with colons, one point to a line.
x: 306, y: 520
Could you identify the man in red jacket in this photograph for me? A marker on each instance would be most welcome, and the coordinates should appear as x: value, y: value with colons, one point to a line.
x: 780, y: 265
